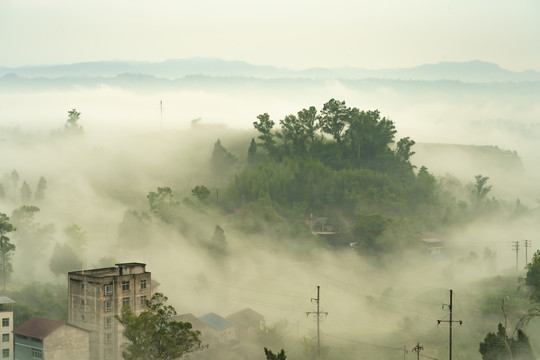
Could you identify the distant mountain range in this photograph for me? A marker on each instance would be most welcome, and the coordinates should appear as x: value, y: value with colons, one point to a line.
x: 472, y: 71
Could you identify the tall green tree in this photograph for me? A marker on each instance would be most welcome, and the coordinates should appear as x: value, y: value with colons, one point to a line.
x: 334, y: 118
x: 265, y: 126
x: 309, y: 120
x: 154, y: 335
x: 293, y: 135
x: 6, y: 248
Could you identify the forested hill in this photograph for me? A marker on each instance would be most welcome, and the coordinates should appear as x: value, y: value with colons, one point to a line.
x: 343, y: 165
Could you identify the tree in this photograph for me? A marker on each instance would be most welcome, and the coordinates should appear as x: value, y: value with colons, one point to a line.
x: 32, y: 238
x: 334, y: 117
x: 309, y: 120
x: 252, y: 152
x: 293, y: 135
x: 154, y: 335
x: 218, y: 243
x: 72, y: 124
x: 532, y: 278
x: 201, y: 192
x: 264, y: 126
x: 501, y: 347
x: 271, y: 356
x: 40, y: 190
x: 64, y: 259
x: 403, y: 149
x: 77, y: 238
x: 222, y: 160
x: 480, y: 188
x: 163, y: 204
x: 26, y: 192
x: 6, y: 247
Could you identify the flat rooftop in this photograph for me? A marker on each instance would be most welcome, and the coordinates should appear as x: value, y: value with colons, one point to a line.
x: 119, y: 269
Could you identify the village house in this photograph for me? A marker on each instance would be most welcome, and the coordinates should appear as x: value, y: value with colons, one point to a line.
x: 41, y: 338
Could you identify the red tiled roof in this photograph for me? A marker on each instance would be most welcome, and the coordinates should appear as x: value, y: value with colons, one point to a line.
x: 38, y: 327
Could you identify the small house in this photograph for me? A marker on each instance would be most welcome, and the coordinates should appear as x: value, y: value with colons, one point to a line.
x: 41, y: 338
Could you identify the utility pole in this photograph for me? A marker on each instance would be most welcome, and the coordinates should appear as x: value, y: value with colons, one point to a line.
x: 527, y: 245
x: 516, y: 247
x: 317, y: 313
x: 450, y: 322
x: 404, y: 352
x: 417, y: 350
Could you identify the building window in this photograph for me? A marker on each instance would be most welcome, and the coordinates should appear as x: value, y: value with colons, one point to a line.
x: 107, y: 290
x: 125, y: 301
x: 143, y: 284
x: 82, y: 317
x: 108, y: 321
x: 5, y: 353
x: 37, y: 353
x: 5, y: 337
x: 108, y: 305
x: 125, y: 285
x: 5, y: 322
x: 108, y: 337
x: 82, y: 301
x: 143, y: 300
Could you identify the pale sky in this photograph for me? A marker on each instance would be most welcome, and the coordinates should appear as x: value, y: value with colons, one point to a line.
x: 295, y: 34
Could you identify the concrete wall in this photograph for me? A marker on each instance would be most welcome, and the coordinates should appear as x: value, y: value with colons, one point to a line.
x: 6, y: 330
x: 67, y: 342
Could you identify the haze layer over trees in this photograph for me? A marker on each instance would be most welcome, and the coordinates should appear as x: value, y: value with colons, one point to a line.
x: 228, y: 219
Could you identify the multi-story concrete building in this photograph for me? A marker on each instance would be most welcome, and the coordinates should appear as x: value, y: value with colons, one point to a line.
x: 96, y: 296
x: 6, y: 314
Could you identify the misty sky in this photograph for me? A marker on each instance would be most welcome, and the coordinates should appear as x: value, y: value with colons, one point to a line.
x: 295, y: 34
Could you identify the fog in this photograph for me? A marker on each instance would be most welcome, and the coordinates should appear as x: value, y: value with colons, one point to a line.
x: 132, y: 146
